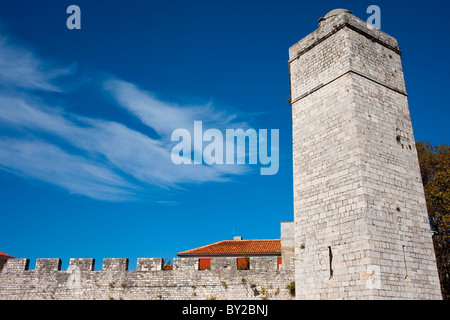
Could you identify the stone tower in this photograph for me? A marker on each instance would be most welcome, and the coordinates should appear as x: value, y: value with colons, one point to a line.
x: 361, y: 224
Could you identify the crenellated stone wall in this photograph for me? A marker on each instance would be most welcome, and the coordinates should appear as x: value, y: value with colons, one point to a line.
x: 149, y: 281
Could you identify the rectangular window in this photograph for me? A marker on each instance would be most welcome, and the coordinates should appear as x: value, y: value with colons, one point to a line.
x: 243, y: 263
x: 204, y: 264
x: 279, y: 263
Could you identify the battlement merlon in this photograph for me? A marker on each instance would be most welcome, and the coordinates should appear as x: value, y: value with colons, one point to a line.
x: 149, y: 264
x: 334, y: 23
x: 48, y: 265
x: 115, y: 264
x: 84, y: 264
x: 15, y: 265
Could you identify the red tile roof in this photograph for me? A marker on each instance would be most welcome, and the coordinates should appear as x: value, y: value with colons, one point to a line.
x: 236, y: 247
x: 5, y: 255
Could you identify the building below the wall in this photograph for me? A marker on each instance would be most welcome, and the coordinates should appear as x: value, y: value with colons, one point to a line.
x: 244, y: 250
x: 3, y: 258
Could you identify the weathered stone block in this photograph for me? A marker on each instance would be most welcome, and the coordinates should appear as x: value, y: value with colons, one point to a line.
x: 48, y: 265
x: 148, y: 264
x: 84, y: 264
x: 115, y: 264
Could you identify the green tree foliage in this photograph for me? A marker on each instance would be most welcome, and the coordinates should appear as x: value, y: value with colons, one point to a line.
x: 435, y: 170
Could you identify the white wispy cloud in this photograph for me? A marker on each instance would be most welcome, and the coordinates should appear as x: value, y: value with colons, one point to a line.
x: 133, y: 153
x: 22, y: 68
x: 165, y: 116
x: 41, y: 160
x: 97, y: 158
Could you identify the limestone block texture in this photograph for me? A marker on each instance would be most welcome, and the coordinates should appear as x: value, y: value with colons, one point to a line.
x: 148, y: 282
x: 361, y: 223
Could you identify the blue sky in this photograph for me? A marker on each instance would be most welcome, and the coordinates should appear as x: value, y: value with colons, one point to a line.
x: 86, y: 117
